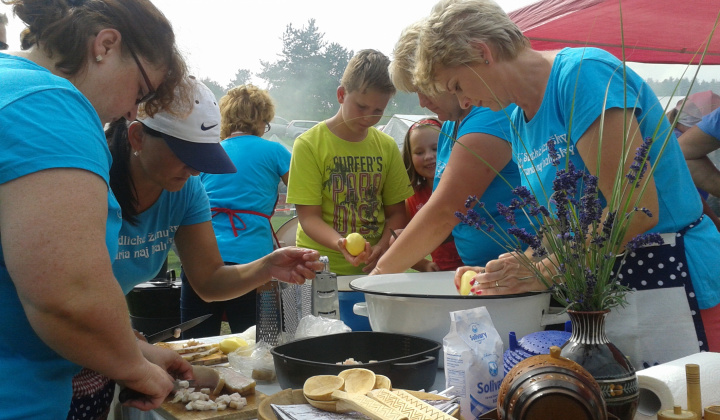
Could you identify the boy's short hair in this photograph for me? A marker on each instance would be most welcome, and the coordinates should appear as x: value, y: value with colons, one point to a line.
x: 368, y: 69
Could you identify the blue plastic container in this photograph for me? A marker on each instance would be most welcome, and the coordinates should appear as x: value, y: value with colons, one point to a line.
x: 347, y: 301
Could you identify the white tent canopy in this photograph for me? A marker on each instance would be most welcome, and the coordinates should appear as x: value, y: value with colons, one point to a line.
x: 399, y: 124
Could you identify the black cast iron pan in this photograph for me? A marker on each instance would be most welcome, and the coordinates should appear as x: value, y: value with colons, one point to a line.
x: 410, y: 362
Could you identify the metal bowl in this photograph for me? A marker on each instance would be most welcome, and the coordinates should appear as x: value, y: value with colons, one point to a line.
x: 420, y: 303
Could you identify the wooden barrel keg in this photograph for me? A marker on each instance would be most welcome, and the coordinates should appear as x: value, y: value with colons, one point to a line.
x: 550, y: 387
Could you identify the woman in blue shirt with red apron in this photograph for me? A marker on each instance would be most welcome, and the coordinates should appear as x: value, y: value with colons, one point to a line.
x: 242, y: 203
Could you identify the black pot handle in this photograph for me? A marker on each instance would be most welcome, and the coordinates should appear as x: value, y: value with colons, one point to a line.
x: 418, y: 363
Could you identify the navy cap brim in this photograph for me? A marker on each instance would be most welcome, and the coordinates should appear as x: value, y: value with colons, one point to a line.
x: 210, y: 158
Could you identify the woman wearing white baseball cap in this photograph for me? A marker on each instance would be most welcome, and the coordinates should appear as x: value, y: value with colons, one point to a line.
x: 195, y: 139
x: 152, y: 176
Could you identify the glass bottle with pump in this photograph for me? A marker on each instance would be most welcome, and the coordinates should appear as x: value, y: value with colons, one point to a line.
x: 325, y: 292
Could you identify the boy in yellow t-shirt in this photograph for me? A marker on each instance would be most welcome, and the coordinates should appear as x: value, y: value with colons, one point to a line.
x: 346, y: 176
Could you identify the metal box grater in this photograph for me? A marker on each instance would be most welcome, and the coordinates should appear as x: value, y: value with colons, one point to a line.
x: 296, y: 303
x: 280, y: 307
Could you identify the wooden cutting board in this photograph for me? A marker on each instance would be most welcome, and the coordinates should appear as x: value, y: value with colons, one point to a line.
x: 177, y: 411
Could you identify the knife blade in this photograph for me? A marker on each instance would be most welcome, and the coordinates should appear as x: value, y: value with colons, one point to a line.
x: 170, y: 332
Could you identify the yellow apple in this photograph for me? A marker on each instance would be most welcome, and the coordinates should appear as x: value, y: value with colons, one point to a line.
x: 465, y: 282
x: 355, y: 244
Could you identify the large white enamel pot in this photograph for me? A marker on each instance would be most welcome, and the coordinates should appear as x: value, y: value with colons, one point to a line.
x: 420, y: 304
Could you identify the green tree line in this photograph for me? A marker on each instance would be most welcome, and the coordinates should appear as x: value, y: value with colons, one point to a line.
x: 304, y: 79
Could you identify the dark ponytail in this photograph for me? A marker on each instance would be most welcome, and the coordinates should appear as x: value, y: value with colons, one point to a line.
x: 121, y: 181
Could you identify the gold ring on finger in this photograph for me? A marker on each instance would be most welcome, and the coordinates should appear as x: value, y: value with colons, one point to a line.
x: 497, y: 285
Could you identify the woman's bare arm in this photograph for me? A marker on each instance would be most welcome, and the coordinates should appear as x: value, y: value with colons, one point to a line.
x: 465, y: 175
x: 53, y: 226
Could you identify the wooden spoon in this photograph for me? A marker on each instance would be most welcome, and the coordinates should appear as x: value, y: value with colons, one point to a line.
x: 321, y: 387
x: 325, y: 405
x: 358, y: 380
x: 382, y: 382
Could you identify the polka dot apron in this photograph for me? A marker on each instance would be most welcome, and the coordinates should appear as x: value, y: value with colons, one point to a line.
x: 662, y: 321
x: 93, y: 394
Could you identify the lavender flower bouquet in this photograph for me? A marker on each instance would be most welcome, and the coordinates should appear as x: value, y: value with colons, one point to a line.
x: 579, y: 243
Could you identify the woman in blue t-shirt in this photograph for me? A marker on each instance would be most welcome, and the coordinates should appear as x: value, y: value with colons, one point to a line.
x: 242, y: 203
x: 466, y: 136
x: 579, y: 98
x: 156, y: 161
x: 85, y: 64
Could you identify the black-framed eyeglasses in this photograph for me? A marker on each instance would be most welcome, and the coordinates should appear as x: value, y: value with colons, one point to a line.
x: 3, y: 46
x: 151, y: 90
x: 267, y: 127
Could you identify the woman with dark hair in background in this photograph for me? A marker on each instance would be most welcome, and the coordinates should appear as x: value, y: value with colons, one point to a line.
x: 242, y: 203
x: 89, y: 63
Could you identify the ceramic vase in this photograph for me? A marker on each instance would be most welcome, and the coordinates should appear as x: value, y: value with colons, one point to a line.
x: 589, y: 347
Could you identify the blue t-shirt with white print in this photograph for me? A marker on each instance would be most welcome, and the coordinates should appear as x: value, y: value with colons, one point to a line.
x: 571, y: 103
x: 143, y: 248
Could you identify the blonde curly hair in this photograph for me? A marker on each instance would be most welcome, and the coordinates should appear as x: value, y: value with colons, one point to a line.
x: 247, y: 109
x: 403, y: 62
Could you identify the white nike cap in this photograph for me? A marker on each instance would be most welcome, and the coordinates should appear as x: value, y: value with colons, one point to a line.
x: 195, y: 140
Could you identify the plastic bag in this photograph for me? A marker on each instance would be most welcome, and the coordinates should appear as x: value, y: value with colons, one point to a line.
x: 473, y: 351
x: 254, y: 361
x: 248, y: 334
x: 315, y: 326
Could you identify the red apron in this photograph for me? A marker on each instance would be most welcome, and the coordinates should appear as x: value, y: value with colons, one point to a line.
x: 233, y: 214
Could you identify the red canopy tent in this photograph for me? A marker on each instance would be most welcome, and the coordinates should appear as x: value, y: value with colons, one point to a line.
x: 655, y: 31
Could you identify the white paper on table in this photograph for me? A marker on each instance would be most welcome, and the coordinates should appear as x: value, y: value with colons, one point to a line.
x: 308, y: 412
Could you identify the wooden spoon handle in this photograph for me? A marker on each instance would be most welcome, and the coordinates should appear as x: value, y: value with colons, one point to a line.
x: 368, y: 406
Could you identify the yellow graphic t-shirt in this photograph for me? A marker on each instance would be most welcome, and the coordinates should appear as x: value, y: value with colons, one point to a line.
x: 351, y: 181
